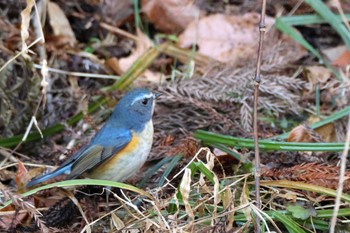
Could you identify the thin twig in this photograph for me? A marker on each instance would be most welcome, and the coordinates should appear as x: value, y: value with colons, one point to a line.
x: 341, y: 12
x: 33, y: 121
x: 116, y: 30
x: 78, y: 74
x: 341, y: 180
x: 257, y: 80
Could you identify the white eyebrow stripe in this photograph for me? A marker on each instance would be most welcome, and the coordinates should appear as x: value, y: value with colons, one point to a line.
x: 142, y: 97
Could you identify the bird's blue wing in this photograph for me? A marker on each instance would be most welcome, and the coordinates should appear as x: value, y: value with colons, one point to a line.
x: 105, y: 144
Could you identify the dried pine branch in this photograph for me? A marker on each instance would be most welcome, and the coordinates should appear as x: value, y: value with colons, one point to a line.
x: 311, y: 173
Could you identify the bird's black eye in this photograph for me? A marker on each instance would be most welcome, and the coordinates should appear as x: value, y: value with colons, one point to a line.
x: 144, y: 101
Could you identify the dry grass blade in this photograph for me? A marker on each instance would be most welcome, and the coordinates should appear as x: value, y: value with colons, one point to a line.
x: 342, y: 179
x: 25, y: 14
x: 185, y: 189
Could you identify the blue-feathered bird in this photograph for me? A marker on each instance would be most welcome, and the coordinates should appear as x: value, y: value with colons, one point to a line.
x: 121, y: 146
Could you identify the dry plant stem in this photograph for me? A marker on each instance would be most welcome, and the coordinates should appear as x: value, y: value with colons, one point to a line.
x: 341, y: 180
x: 118, y: 31
x: 257, y: 81
x: 341, y: 12
x: 27, y: 131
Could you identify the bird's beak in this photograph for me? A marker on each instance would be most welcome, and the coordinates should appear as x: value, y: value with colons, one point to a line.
x: 156, y: 95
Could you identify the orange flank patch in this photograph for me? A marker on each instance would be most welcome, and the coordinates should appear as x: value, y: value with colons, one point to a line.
x: 114, y: 159
x: 130, y: 147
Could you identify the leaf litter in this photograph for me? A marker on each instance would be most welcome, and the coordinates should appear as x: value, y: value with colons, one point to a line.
x: 218, y: 100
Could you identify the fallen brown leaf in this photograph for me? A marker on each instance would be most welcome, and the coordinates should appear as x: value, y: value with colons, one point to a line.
x: 303, y: 133
x: 334, y: 52
x: 170, y: 16
x: 317, y: 75
x: 25, y: 15
x: 224, y: 37
x: 60, y: 24
x: 143, y: 43
x: 343, y: 60
x: 327, y: 132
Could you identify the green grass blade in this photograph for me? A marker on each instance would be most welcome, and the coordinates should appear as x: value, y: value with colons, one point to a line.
x: 81, y: 182
x: 153, y: 170
x: 292, y: 32
x: 204, y: 170
x: 228, y: 151
x: 335, y: 116
x: 291, y: 225
x: 169, y: 168
x: 321, y: 8
x: 286, y: 28
x: 297, y: 20
x: 213, y: 139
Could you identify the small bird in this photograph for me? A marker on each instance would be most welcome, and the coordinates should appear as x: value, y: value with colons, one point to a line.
x: 121, y: 146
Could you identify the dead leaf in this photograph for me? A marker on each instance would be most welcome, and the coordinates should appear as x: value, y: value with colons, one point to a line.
x: 22, y: 176
x: 25, y: 15
x: 292, y: 196
x: 343, y: 60
x: 185, y: 189
x: 59, y: 23
x: 224, y: 37
x: 113, y: 63
x: 333, y: 53
x: 117, y: 222
x: 170, y: 16
x: 122, y: 65
x: 142, y: 45
x: 303, y: 133
x: 339, y: 56
x: 10, y: 217
x: 326, y: 132
x: 317, y: 75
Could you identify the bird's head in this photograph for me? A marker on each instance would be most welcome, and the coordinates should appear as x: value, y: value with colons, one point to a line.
x: 135, y: 109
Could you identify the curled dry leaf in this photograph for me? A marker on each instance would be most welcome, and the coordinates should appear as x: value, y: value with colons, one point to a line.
x: 60, y: 24
x: 185, y: 189
x: 224, y: 37
x: 22, y: 176
x: 170, y: 15
x: 143, y: 43
x: 317, y: 75
x: 25, y: 15
x: 303, y: 133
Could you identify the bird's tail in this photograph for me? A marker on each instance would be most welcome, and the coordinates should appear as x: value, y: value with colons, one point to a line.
x: 50, y: 175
